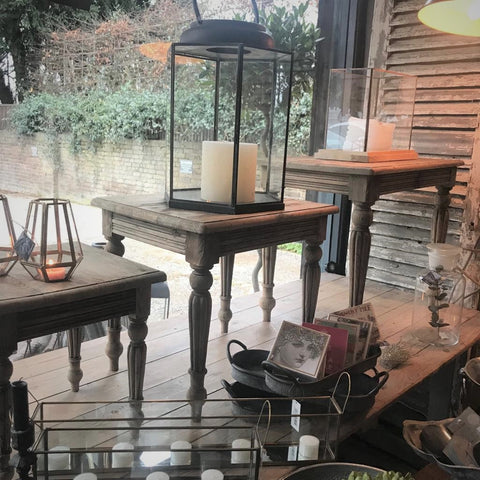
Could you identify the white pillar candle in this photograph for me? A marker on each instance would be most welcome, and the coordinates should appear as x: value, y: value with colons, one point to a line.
x: 122, y: 459
x: 157, y: 476
x: 380, y: 136
x: 217, y: 171
x: 180, y: 458
x: 86, y: 476
x: 58, y: 461
x: 241, y: 456
x: 308, y: 447
x: 212, y: 474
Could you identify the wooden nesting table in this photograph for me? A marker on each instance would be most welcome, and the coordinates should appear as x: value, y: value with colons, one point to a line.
x: 103, y: 287
x: 207, y: 238
x: 364, y: 183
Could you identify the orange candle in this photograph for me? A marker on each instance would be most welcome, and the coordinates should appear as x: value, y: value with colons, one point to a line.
x: 56, y: 273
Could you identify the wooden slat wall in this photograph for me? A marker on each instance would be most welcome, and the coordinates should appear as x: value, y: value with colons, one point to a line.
x: 446, y: 118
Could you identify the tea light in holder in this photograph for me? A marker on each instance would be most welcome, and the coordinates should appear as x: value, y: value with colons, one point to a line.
x: 55, y: 249
x: 239, y: 456
x: 60, y: 460
x: 308, y: 447
x: 158, y: 476
x: 179, y: 457
x: 212, y: 474
x: 122, y: 459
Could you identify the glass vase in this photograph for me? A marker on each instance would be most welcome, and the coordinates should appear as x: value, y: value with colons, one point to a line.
x: 439, y: 294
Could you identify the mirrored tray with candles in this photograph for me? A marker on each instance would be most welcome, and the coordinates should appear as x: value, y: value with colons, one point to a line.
x: 160, y: 438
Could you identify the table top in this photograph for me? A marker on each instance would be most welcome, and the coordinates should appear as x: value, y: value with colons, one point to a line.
x: 99, y: 273
x: 152, y: 209
x: 370, y: 169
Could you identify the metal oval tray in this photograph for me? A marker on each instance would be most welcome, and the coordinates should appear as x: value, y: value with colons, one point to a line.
x: 411, y: 434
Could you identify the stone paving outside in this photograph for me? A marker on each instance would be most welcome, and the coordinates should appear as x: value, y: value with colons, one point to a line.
x: 89, y: 225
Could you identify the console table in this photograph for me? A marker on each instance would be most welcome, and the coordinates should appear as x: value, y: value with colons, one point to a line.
x: 103, y: 286
x: 205, y: 239
x: 364, y: 183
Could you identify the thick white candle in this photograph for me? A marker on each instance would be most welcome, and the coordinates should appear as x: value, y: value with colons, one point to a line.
x: 86, y: 476
x: 180, y: 458
x: 217, y: 171
x: 122, y: 459
x: 157, y: 476
x: 308, y: 447
x: 58, y: 461
x: 240, y: 456
x: 212, y: 474
x: 380, y: 136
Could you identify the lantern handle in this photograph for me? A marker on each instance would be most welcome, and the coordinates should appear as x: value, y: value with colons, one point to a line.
x: 199, y: 17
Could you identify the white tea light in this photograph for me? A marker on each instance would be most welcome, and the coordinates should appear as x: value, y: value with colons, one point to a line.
x: 86, y: 476
x: 122, y: 459
x: 217, y: 171
x: 212, y: 474
x: 308, y: 447
x: 58, y: 461
x: 180, y: 458
x: 241, y: 456
x: 158, y: 476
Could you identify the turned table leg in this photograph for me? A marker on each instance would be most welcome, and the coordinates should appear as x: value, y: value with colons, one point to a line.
x: 6, y: 370
x: 226, y: 273
x: 114, y: 348
x: 267, y: 302
x: 440, y: 215
x: 311, y: 280
x: 74, y: 342
x: 199, y: 316
x: 360, y: 239
x: 137, y: 355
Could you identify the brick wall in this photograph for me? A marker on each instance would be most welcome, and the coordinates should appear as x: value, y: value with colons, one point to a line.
x: 27, y: 166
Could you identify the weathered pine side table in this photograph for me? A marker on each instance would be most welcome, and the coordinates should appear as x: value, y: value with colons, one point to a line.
x: 205, y: 239
x: 364, y: 183
x: 103, y: 286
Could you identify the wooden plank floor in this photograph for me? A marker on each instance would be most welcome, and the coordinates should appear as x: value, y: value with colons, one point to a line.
x: 168, y: 345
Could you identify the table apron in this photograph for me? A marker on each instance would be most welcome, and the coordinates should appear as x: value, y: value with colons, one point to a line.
x: 150, y: 233
x: 63, y: 316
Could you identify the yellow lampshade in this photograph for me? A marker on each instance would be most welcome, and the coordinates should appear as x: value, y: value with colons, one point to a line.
x: 460, y: 17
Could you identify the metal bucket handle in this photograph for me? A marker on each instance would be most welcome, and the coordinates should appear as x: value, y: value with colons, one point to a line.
x: 200, y: 20
x: 229, y: 354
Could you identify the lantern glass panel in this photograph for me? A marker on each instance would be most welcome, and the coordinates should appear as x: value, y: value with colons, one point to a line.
x: 57, y: 250
x: 228, y: 142
x: 8, y: 256
x: 370, y: 110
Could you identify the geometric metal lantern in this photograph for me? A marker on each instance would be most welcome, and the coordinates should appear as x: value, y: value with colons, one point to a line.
x: 54, y: 248
x: 8, y: 257
x: 234, y: 162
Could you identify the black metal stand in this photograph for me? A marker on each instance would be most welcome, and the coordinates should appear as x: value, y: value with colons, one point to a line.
x: 22, y: 440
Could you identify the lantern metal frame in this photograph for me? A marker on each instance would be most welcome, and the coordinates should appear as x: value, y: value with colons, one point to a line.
x: 8, y: 256
x: 269, y: 197
x: 46, y: 259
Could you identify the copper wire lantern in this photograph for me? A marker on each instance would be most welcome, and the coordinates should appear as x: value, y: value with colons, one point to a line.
x: 8, y: 256
x: 56, y: 250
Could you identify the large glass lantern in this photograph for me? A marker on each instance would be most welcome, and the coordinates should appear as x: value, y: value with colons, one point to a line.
x: 8, y: 257
x: 370, y: 110
x: 55, y: 249
x: 230, y: 102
